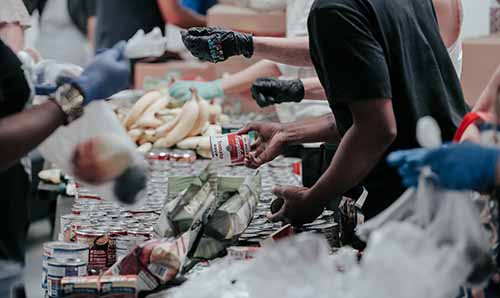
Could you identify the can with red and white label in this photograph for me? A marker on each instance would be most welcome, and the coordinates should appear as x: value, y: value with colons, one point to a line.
x: 232, y: 148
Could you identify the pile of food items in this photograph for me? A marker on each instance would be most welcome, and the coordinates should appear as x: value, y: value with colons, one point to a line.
x: 158, y: 121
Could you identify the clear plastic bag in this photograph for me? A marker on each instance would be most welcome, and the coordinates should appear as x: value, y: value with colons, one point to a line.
x: 142, y: 45
x: 448, y: 218
x: 98, y: 121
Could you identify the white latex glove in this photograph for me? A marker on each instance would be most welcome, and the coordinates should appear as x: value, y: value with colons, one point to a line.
x: 143, y: 45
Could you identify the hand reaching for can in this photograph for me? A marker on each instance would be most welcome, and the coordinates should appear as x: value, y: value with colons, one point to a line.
x: 270, y: 143
x: 299, y: 206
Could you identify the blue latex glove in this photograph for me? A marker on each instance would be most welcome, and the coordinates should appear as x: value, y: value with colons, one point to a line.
x: 108, y: 74
x: 207, y: 90
x: 464, y: 166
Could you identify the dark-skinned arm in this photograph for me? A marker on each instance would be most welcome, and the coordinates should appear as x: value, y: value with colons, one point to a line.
x: 373, y: 131
x: 22, y: 132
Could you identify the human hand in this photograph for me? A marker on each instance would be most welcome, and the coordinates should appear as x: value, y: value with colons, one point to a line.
x: 269, y: 91
x: 299, y: 206
x: 50, y: 74
x: 463, y: 166
x: 270, y: 143
x: 100, y: 159
x: 217, y: 44
x: 208, y: 90
x: 108, y: 74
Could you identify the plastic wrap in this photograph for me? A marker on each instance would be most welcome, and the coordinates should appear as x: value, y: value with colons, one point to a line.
x: 217, y: 209
x: 98, y: 121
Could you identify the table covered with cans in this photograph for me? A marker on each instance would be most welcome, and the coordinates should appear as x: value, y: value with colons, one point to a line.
x: 98, y: 232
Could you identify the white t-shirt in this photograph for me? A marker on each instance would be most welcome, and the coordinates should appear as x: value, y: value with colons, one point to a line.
x: 14, y: 11
x: 455, y: 50
x: 59, y: 38
x: 297, y: 12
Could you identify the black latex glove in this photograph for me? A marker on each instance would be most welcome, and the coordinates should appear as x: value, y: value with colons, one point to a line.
x: 268, y: 91
x: 217, y: 44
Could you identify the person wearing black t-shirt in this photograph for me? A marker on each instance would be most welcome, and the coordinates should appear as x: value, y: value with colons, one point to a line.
x: 22, y: 129
x: 383, y: 65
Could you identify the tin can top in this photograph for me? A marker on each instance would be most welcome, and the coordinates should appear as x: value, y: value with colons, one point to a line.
x: 66, y: 262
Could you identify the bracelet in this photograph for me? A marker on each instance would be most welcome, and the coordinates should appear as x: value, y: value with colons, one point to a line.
x: 70, y: 100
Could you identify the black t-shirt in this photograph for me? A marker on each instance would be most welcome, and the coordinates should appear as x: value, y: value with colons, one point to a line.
x: 14, y: 90
x: 369, y: 49
x: 119, y: 20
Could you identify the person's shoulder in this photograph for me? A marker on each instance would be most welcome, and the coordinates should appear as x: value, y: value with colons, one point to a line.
x: 325, y: 7
x: 332, y: 4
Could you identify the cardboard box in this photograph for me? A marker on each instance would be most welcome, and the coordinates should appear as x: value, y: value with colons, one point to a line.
x: 481, y: 59
x: 247, y: 20
x: 147, y: 73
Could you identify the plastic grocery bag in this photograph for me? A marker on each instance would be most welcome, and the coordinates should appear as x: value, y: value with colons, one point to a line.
x: 400, y: 261
x: 448, y: 218
x: 98, y: 121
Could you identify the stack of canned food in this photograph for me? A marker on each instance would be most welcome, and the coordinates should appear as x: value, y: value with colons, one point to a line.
x: 102, y: 231
x: 61, y: 260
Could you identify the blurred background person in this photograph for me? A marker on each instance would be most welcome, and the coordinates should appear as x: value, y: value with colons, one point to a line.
x: 119, y: 20
x: 15, y: 180
x: 65, y: 29
x: 14, y: 19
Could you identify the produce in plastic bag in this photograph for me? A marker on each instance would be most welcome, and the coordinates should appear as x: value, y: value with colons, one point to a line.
x: 120, y: 169
x: 155, y: 262
x: 221, y: 211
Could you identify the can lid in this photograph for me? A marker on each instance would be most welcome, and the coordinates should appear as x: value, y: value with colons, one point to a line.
x: 64, y: 262
x: 59, y: 245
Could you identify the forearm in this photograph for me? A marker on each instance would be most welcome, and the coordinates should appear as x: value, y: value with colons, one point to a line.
x: 91, y: 25
x: 175, y: 14
x: 12, y: 34
x: 313, y: 89
x: 486, y: 102
x: 20, y: 133
x: 243, y: 80
x: 293, y: 51
x: 357, y: 154
x: 313, y: 130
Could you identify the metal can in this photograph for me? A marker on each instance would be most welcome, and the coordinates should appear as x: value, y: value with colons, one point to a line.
x: 124, y: 286
x: 242, y: 253
x: 59, y: 268
x: 79, y: 225
x: 85, y: 286
x: 98, y: 242
x: 288, y: 163
x: 58, y: 250
x: 65, y: 225
x: 183, y: 156
x: 113, y: 234
x: 140, y: 235
x: 232, y: 148
x: 231, y: 127
x: 331, y: 233
x: 124, y: 244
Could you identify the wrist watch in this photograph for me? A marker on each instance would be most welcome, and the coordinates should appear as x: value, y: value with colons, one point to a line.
x: 70, y: 100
